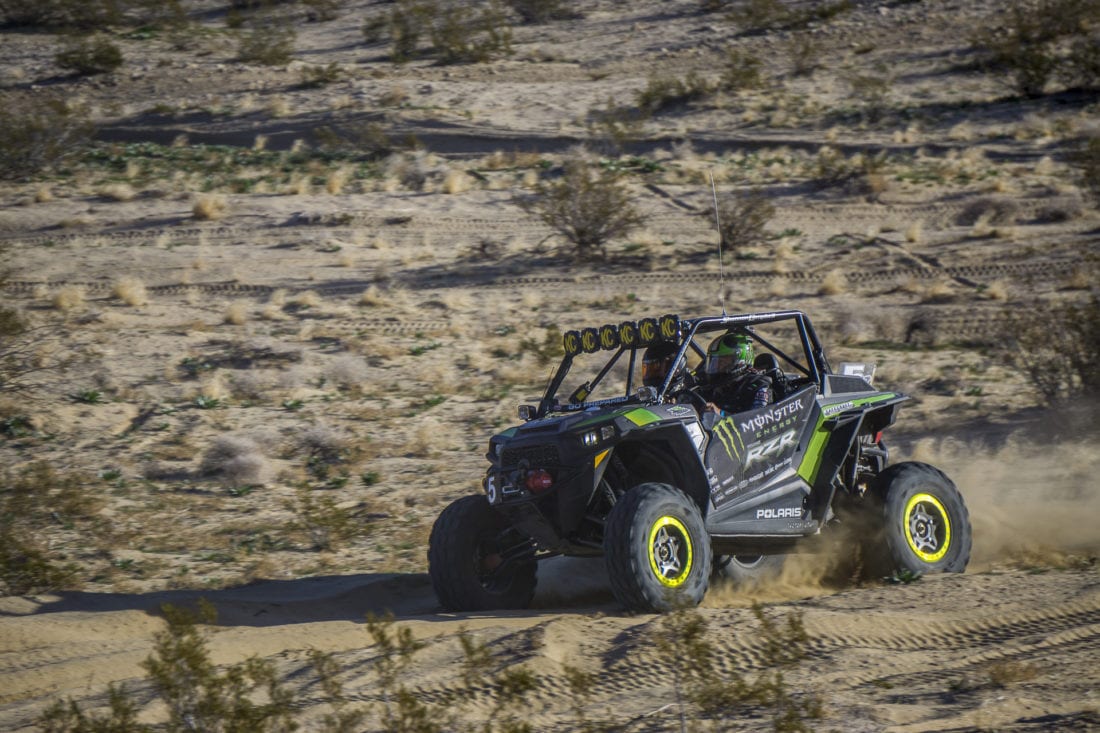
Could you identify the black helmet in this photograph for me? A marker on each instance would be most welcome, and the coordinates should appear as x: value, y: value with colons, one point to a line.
x: 657, y: 363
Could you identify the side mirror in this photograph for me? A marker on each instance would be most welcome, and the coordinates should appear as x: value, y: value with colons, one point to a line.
x: 527, y: 412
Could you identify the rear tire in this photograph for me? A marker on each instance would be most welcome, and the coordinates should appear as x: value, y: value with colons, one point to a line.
x: 925, y: 523
x: 465, y: 564
x: 742, y: 570
x: 657, y: 551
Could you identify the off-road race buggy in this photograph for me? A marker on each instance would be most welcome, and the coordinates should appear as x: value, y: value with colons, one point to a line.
x: 672, y: 495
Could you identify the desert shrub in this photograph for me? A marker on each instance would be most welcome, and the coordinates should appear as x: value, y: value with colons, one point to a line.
x: 321, y: 10
x: 743, y: 220
x: 461, y: 34
x: 510, y: 686
x: 663, y: 93
x: 742, y: 71
x: 322, y: 520
x: 26, y: 567
x: 87, y: 14
x: 757, y: 16
x: 872, y: 93
x: 804, y: 52
x: 1057, y: 347
x: 267, y: 42
x: 38, y: 135
x: 1087, y: 161
x: 367, y: 140
x: 989, y: 210
x: 1035, y: 41
x: 67, y: 717
x: 699, y: 677
x: 89, y: 56
x: 586, y: 207
x: 31, y: 500
x: 315, y: 77
x: 198, y: 696
x: 458, y: 31
x: 236, y: 459
x: 543, y: 11
x: 612, y: 127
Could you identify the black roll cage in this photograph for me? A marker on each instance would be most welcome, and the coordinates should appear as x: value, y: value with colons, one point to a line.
x: 816, y: 367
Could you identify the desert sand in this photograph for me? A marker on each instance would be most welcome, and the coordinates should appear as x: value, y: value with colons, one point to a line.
x: 255, y: 334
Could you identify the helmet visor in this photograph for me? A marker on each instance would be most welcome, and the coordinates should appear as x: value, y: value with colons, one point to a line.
x: 654, y: 371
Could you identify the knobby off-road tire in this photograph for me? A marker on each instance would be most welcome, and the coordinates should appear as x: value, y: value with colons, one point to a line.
x: 925, y: 523
x: 657, y: 551
x: 744, y: 570
x: 464, y: 560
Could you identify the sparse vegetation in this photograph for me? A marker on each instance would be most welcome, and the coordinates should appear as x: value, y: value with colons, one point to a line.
x: 715, y: 692
x: 743, y: 219
x: 35, y: 138
x: 1057, y: 346
x: 1037, y: 41
x: 89, y: 55
x: 586, y: 207
x: 459, y: 32
x: 544, y: 11
x: 269, y: 40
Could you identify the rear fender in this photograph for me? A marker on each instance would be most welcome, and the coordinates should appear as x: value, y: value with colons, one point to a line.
x: 835, y: 434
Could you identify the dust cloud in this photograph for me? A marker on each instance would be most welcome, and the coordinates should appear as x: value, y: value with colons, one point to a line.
x: 1030, y: 503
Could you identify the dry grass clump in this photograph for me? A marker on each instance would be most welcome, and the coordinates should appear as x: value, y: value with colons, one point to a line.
x: 43, y: 195
x: 209, y: 207
x: 336, y: 180
x: 118, y: 192
x: 236, y: 459
x: 131, y: 291
x: 834, y: 283
x: 236, y: 313
x: 456, y: 182
x: 69, y: 298
x: 307, y: 299
x: 373, y: 296
x: 914, y: 233
x: 347, y: 371
x: 997, y: 290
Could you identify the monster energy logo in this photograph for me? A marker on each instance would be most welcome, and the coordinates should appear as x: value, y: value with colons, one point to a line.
x: 731, y: 439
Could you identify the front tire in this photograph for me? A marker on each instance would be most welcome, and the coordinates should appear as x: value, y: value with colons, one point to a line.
x: 657, y: 551
x: 468, y: 559
x: 926, y: 526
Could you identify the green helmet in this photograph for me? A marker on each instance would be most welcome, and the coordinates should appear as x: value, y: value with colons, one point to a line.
x: 728, y: 353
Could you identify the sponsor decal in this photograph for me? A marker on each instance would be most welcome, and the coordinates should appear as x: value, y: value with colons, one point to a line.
x: 731, y: 439
x: 787, y: 512
x: 830, y: 409
x: 762, y: 450
x: 778, y: 414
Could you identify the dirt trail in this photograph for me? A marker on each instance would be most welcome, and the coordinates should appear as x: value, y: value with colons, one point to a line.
x: 923, y: 656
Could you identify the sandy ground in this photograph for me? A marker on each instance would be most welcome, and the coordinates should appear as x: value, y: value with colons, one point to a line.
x: 359, y: 338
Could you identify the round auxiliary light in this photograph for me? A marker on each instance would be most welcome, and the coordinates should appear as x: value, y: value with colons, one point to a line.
x: 628, y: 333
x: 609, y: 337
x: 647, y: 331
x: 590, y: 340
x: 571, y: 342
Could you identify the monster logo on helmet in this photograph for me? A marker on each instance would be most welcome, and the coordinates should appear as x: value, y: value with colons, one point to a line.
x: 730, y: 352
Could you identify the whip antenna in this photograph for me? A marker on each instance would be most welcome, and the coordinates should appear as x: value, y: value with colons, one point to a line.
x: 721, y: 265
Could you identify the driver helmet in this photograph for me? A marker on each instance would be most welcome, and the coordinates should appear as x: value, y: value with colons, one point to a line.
x: 728, y: 354
x: 657, y: 363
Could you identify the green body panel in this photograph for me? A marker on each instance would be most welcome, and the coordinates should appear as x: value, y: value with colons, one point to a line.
x: 811, y: 460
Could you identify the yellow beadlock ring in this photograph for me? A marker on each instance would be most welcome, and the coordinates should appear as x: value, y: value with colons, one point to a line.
x: 664, y: 523
x: 929, y: 557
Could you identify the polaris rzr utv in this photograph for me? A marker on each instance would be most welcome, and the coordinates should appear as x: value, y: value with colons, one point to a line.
x: 672, y: 495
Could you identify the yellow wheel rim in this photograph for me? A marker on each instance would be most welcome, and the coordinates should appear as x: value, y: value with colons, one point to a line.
x: 927, y: 528
x: 670, y: 551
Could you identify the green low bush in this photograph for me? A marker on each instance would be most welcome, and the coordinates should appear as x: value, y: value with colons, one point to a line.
x: 89, y: 56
